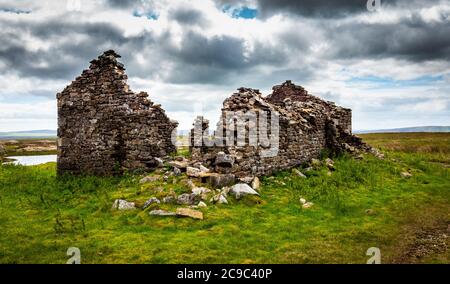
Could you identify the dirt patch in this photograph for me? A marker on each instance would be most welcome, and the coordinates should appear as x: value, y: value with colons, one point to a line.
x: 424, y: 242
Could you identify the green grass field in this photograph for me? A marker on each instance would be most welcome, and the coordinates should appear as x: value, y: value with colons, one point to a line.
x: 41, y: 216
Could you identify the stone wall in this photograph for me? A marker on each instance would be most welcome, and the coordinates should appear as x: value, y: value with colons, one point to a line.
x: 104, y: 128
x: 306, y: 126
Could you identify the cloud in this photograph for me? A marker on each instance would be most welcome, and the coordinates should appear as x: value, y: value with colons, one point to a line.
x: 194, y: 51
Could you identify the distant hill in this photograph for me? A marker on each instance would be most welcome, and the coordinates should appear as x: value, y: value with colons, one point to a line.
x: 28, y: 134
x: 407, y: 129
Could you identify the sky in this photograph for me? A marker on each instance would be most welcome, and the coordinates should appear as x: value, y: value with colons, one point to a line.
x: 390, y: 64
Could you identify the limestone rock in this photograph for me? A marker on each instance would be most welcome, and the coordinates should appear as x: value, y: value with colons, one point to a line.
x: 121, y: 204
x: 242, y: 189
x: 200, y: 191
x: 162, y: 213
x: 221, y: 180
x: 187, y: 199
x: 187, y: 212
x: 256, y: 184
x: 193, y: 172
x: 298, y: 173
x: 406, y: 175
x: 307, y: 205
x: 151, y: 201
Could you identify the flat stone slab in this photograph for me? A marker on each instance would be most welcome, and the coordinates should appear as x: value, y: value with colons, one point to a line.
x: 187, y: 212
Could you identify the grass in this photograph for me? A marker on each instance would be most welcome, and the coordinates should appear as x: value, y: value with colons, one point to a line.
x: 41, y: 216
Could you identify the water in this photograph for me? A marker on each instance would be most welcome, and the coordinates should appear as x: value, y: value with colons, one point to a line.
x: 32, y: 160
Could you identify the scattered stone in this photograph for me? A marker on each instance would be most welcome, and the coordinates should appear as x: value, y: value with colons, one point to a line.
x: 190, y: 184
x: 151, y: 201
x: 181, y: 165
x: 121, y: 204
x: 307, y: 205
x: 187, y: 212
x: 162, y: 213
x: 221, y: 180
x: 298, y: 173
x: 247, y: 180
x: 187, y: 199
x: 242, y: 189
x: 329, y: 173
x: 160, y: 162
x: 149, y: 179
x: 256, y: 184
x: 309, y: 169
x: 202, y: 204
x: 370, y: 212
x: 193, y: 172
x: 406, y: 175
x: 330, y: 164
x: 302, y: 201
x: 219, y: 199
x: 169, y: 199
x: 223, y: 160
x: 176, y: 172
x: 200, y: 191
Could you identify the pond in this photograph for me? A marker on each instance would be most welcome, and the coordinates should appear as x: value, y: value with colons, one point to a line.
x: 32, y: 160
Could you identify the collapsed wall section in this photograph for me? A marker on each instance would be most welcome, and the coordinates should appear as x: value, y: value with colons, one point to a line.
x: 295, y: 126
x: 104, y: 128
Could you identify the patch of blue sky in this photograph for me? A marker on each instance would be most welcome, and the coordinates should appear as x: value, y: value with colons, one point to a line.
x: 240, y: 12
x: 150, y: 15
x: 384, y: 82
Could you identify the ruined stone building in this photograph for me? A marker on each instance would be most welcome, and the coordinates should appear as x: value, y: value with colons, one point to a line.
x: 304, y: 126
x: 104, y: 128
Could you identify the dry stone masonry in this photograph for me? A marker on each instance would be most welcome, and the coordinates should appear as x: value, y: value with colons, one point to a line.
x: 305, y: 126
x: 104, y: 128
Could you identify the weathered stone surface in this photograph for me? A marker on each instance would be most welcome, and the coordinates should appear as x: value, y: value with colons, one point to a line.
x: 121, y: 204
x: 306, y: 126
x: 200, y: 191
x: 219, y: 199
x: 104, y: 128
x: 169, y: 199
x: 406, y: 175
x: 182, y: 165
x: 187, y: 199
x: 187, y: 212
x: 151, y: 201
x: 162, y: 213
x: 221, y: 180
x: 298, y: 173
x: 256, y: 184
x: 193, y: 172
x: 308, y: 205
x: 242, y: 189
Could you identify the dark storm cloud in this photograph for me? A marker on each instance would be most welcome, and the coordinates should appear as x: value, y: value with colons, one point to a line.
x: 322, y: 8
x: 218, y: 59
x: 189, y: 17
x: 410, y: 39
x: 75, y: 55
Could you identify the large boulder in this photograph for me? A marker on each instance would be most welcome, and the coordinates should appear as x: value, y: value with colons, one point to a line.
x: 224, y: 161
x: 242, y: 189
